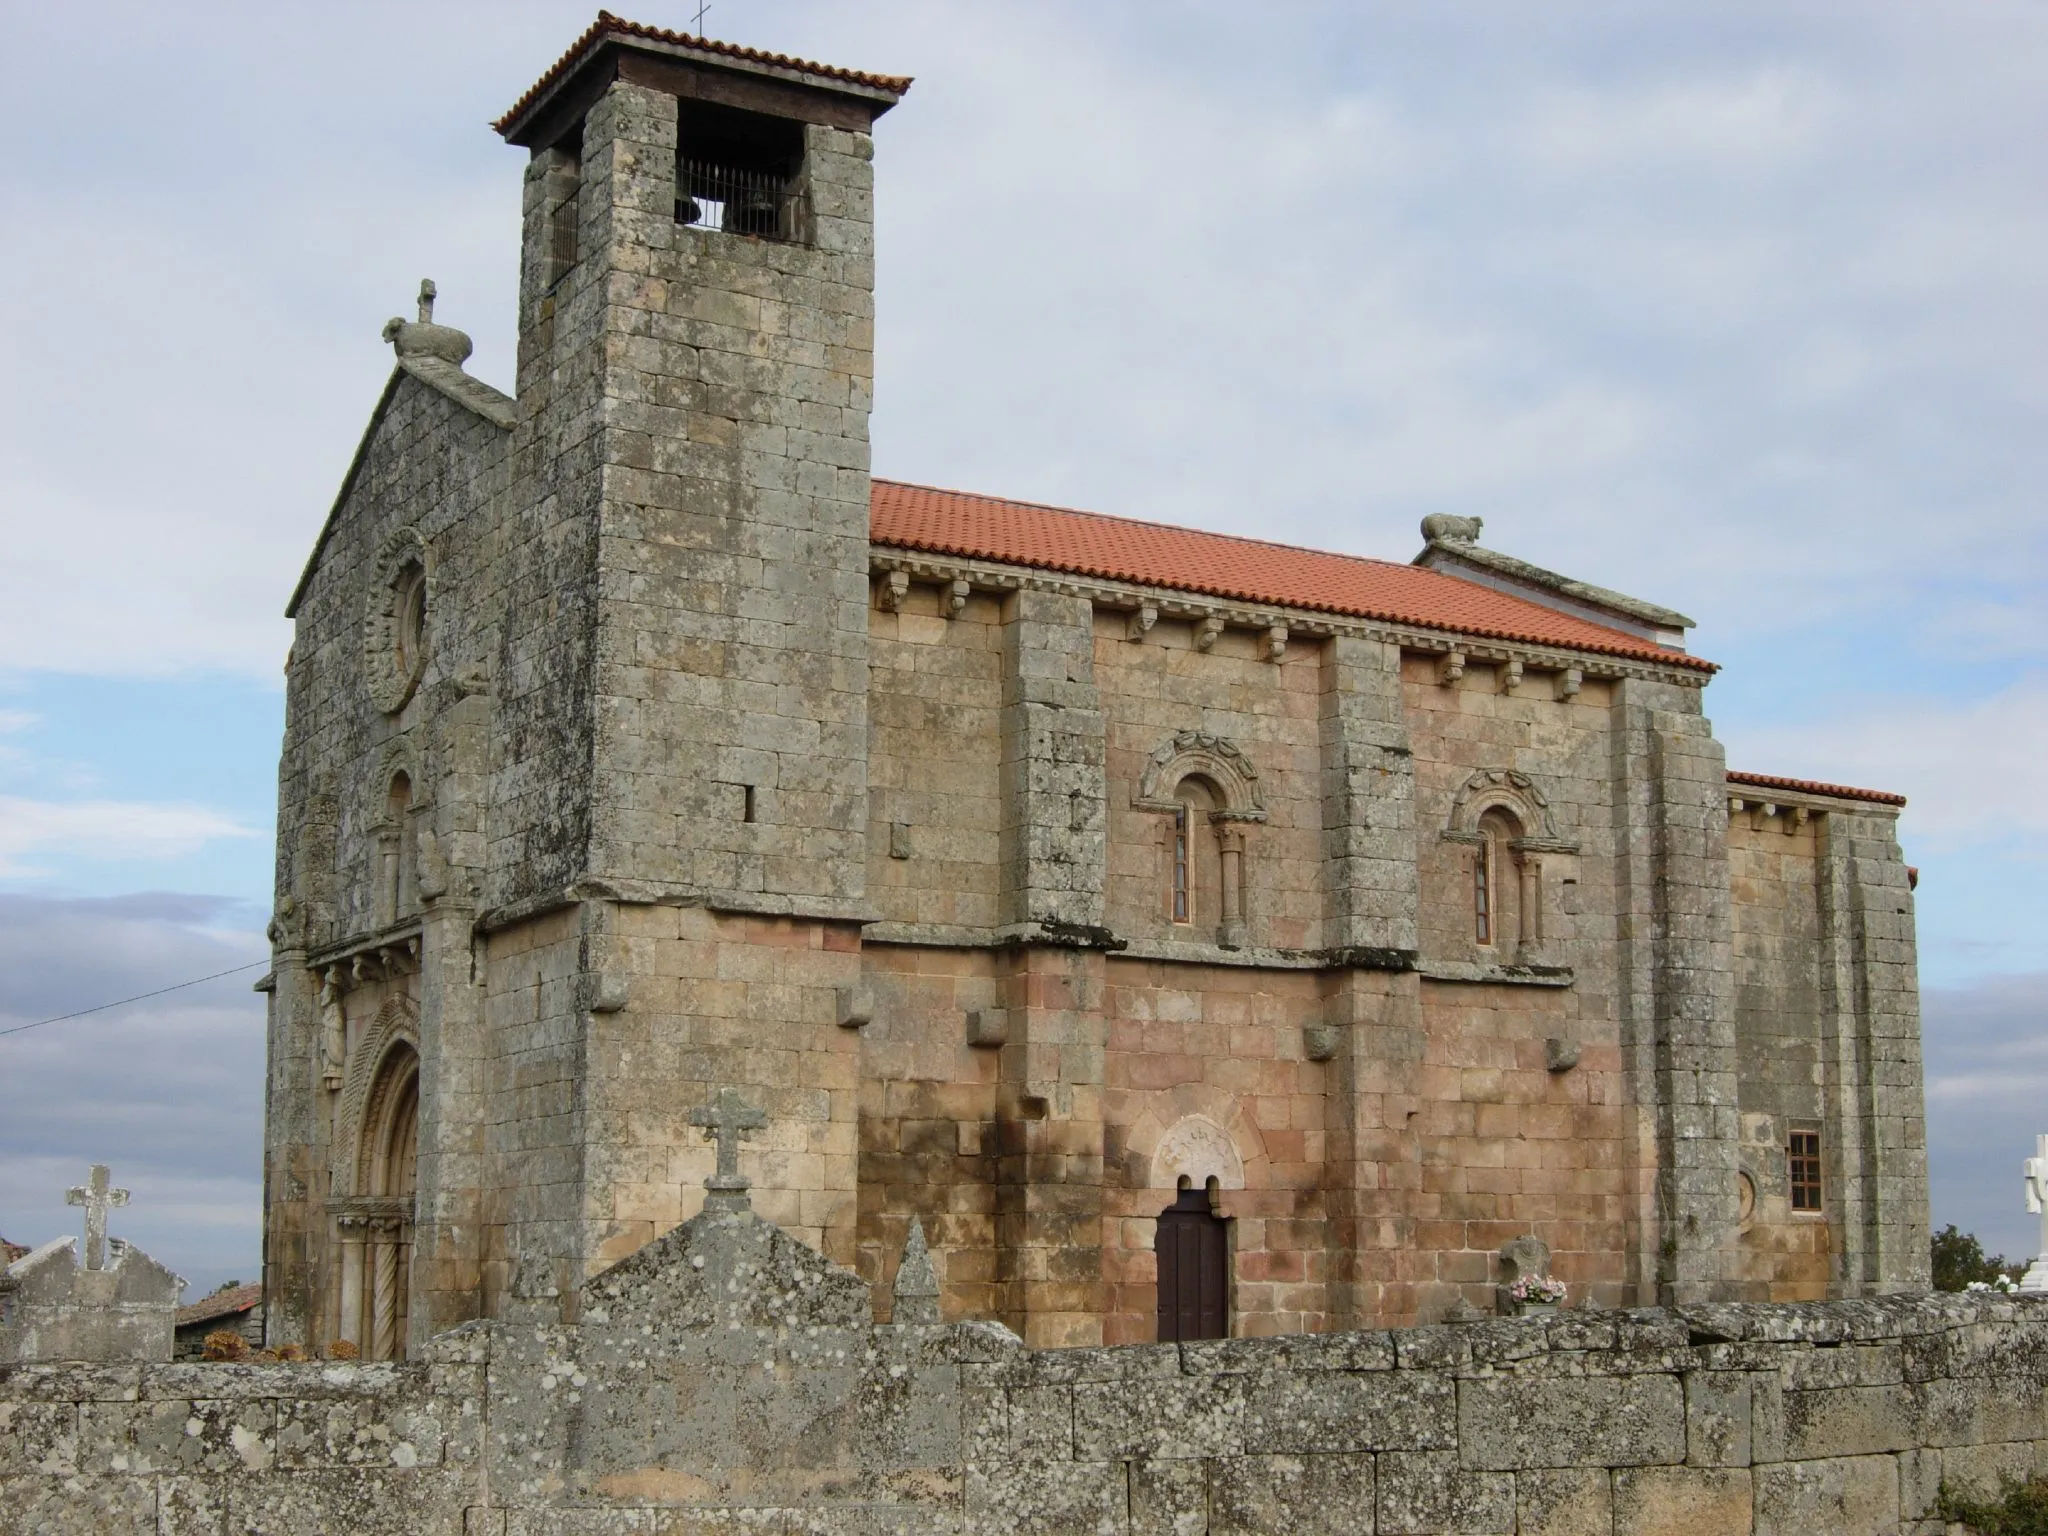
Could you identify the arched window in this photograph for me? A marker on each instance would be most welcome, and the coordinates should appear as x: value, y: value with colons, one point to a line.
x: 1208, y: 791
x: 1195, y: 890
x: 1495, y: 881
x: 396, y: 851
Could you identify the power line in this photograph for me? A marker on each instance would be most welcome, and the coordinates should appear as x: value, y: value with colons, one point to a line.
x: 137, y: 998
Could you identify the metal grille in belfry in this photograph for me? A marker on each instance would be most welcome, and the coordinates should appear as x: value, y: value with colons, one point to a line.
x: 736, y: 202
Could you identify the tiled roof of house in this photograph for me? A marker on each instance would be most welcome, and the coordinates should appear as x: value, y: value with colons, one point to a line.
x: 609, y: 26
x: 1813, y: 787
x: 919, y: 517
x: 220, y: 1304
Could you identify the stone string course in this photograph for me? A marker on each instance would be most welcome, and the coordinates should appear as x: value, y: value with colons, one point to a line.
x: 727, y: 1379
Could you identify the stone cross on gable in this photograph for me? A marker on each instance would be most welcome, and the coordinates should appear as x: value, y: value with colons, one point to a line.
x: 726, y: 1119
x: 427, y: 293
x: 97, y: 1199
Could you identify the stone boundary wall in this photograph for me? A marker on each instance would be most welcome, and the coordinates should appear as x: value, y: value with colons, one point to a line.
x: 747, y: 1396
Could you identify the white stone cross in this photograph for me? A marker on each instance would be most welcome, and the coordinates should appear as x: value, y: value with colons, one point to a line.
x: 726, y: 1119
x: 2036, y: 1169
x: 97, y: 1199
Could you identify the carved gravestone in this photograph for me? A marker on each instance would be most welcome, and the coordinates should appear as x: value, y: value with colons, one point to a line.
x: 727, y: 1360
x: 119, y: 1304
x: 1527, y: 1256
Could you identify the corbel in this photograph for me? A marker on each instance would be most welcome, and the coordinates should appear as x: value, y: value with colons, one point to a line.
x: 1796, y: 822
x: 855, y: 1006
x: 1276, y: 643
x: 1450, y: 668
x: 1319, y: 1041
x: 988, y: 1026
x: 1207, y: 631
x: 895, y: 587
x: 1510, y: 676
x: 1140, y: 623
x: 1569, y: 681
x: 1736, y: 806
x: 954, y: 597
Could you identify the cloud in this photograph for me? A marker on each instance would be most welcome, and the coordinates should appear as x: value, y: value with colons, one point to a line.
x: 105, y: 829
x: 1986, y: 1049
x: 168, y: 1092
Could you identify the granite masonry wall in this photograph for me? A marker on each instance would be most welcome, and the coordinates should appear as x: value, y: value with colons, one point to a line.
x: 726, y: 1378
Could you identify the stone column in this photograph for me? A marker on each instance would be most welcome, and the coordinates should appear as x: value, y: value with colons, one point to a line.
x: 1230, y: 840
x: 384, y: 1249
x: 1677, y: 988
x: 1053, y: 845
x: 1530, y: 941
x: 1874, y: 1141
x: 1049, y: 1102
x: 349, y: 1323
x: 1372, y: 1002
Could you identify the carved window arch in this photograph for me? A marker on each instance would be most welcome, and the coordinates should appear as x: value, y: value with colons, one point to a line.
x: 395, y: 620
x: 1209, y: 790
x: 1503, y: 818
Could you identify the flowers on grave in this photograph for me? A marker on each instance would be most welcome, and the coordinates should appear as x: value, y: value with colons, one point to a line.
x: 2003, y: 1285
x: 224, y: 1344
x: 1536, y: 1291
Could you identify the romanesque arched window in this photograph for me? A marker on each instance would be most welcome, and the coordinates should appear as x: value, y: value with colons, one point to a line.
x: 396, y: 853
x: 1496, y: 877
x: 1503, y: 822
x: 1206, y: 790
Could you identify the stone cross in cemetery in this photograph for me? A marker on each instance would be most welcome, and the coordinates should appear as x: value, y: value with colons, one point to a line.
x: 726, y: 1119
x: 97, y: 1199
x: 2035, y: 1280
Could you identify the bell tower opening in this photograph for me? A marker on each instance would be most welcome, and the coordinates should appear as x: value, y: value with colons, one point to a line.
x: 739, y: 172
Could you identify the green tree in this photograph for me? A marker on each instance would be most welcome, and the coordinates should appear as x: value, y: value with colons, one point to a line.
x: 1960, y: 1259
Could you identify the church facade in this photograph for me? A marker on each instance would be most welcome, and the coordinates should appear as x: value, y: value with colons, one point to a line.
x: 1196, y: 936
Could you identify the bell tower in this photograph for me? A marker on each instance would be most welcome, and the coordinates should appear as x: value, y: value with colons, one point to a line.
x: 678, y: 804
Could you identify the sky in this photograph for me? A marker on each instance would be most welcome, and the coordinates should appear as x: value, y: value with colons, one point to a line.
x: 1732, y: 305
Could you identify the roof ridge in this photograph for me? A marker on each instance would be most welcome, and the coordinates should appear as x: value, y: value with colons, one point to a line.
x: 1814, y: 787
x: 609, y: 25
x: 1148, y: 522
x: 1234, y: 567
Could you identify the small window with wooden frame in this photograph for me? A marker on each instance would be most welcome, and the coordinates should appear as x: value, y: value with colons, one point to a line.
x: 1802, y: 1170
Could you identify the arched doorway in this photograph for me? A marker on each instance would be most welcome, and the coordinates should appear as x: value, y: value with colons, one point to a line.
x: 1193, y: 1248
x: 387, y: 1174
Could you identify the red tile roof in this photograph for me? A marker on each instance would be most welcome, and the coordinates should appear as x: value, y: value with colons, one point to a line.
x: 920, y: 517
x: 609, y: 26
x: 1812, y: 787
x: 220, y: 1304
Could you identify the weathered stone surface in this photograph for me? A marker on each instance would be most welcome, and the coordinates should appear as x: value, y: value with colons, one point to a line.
x: 1575, y: 1501
x: 1683, y: 1501
x: 1345, y: 1411
x: 1717, y: 1418
x: 1429, y: 1492
x: 1331, y: 1495
x: 727, y: 1378
x: 1852, y: 1494
x: 1625, y: 1421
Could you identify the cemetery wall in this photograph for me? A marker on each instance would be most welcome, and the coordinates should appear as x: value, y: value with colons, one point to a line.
x: 728, y: 1379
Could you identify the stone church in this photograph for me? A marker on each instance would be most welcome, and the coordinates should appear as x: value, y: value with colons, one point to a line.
x: 1197, y: 936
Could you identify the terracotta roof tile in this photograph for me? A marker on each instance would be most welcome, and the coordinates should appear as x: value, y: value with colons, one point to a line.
x: 220, y: 1304
x: 608, y: 26
x: 919, y: 517
x: 1813, y: 787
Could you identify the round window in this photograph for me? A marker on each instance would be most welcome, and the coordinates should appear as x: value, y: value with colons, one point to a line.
x: 395, y: 621
x: 409, y: 610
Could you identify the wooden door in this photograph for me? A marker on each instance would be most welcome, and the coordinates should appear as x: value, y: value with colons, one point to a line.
x: 1193, y: 1246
